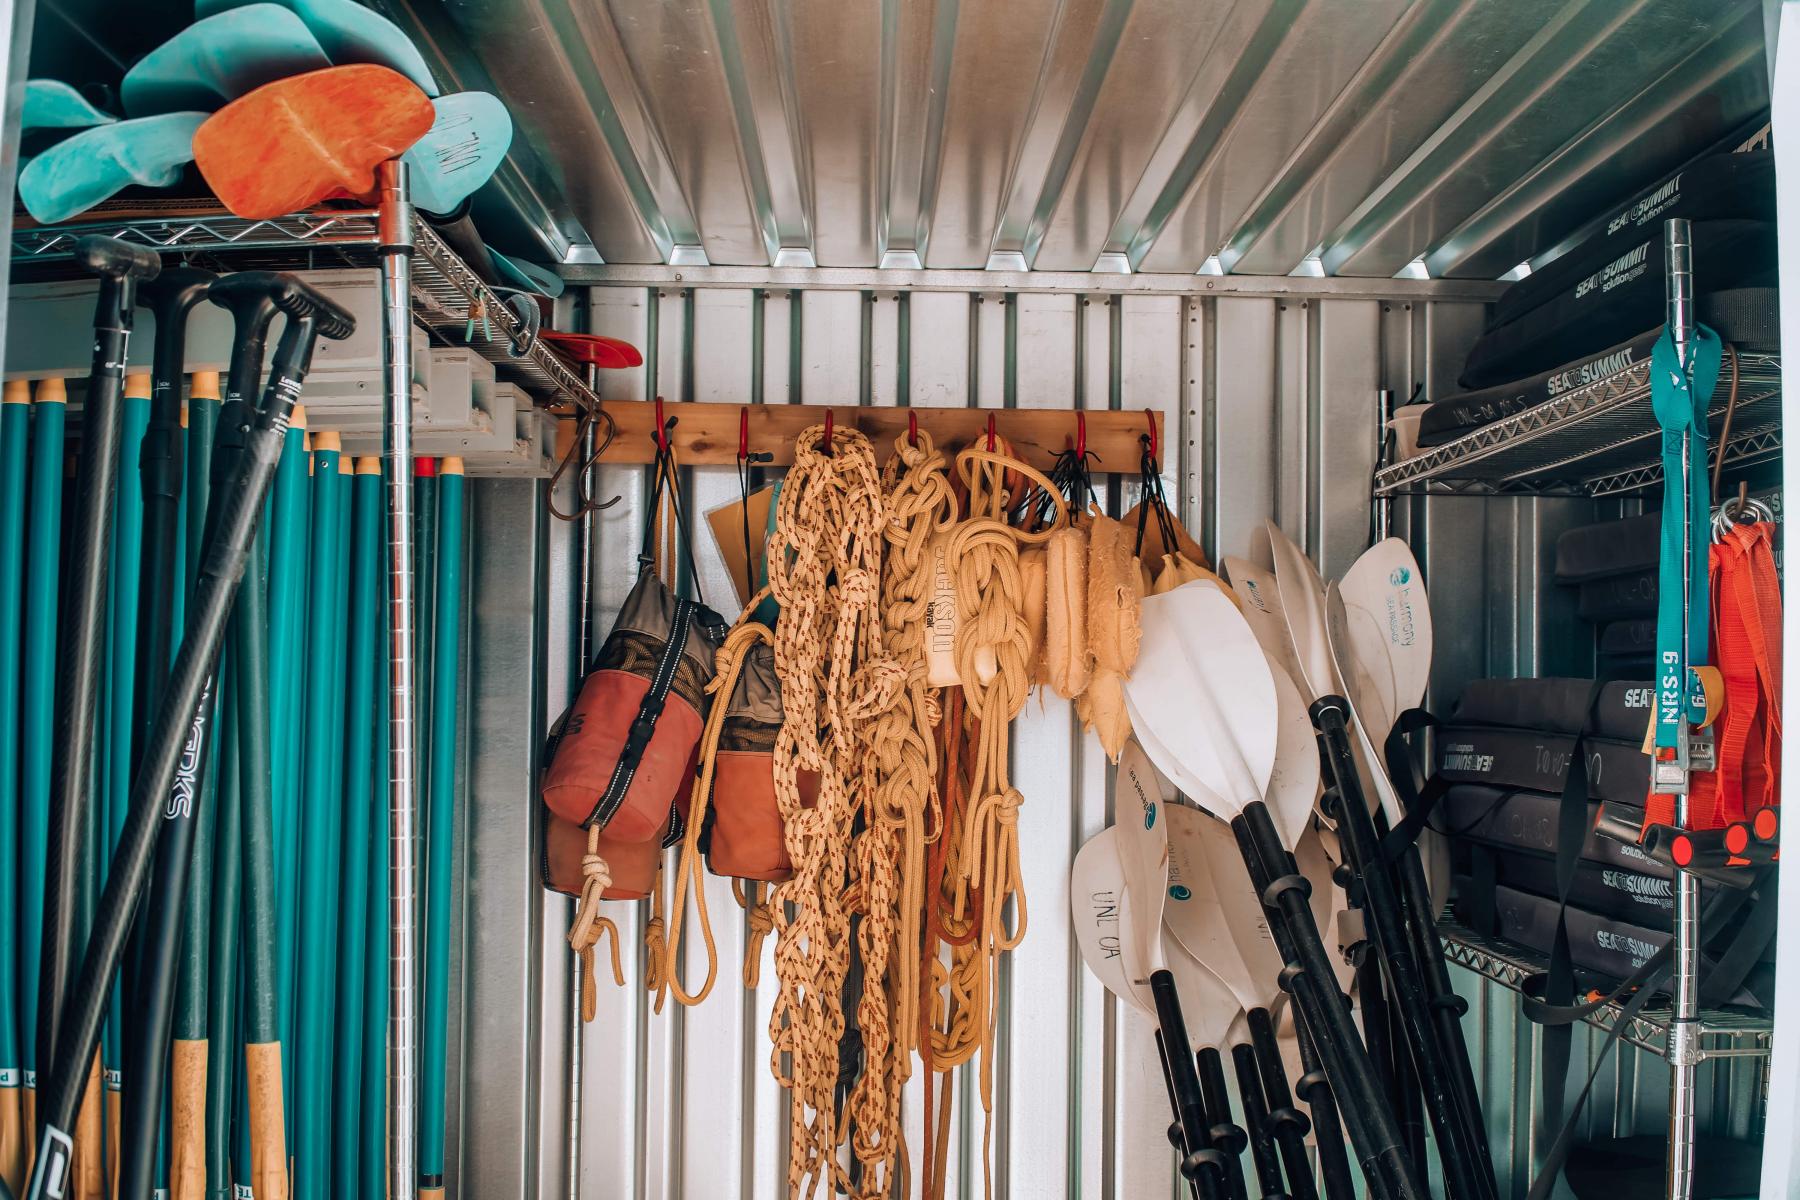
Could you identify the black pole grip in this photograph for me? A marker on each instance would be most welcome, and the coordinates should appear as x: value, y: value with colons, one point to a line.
x: 111, y: 258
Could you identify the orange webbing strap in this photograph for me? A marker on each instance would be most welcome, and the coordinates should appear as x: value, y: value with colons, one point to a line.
x: 1746, y: 646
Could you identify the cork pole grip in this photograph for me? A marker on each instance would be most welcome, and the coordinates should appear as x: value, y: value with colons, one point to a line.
x: 187, y: 1120
x: 90, y: 1143
x: 12, y: 1140
x: 268, y: 1125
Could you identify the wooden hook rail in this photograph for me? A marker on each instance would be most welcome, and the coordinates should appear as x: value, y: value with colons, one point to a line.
x: 711, y: 434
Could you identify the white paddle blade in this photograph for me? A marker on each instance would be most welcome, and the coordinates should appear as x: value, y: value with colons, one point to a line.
x: 1223, y: 925
x: 1302, y: 595
x: 1099, y: 909
x: 1255, y: 587
x: 1378, y: 790
x: 1294, y: 784
x: 1203, y: 692
x: 1141, y: 837
x: 1209, y: 1009
x: 1369, y: 650
x: 1386, y: 584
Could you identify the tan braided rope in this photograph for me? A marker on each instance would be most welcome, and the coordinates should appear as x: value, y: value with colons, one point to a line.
x: 993, y: 657
x: 824, y: 571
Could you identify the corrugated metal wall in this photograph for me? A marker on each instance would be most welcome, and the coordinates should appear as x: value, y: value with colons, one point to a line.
x: 1270, y: 405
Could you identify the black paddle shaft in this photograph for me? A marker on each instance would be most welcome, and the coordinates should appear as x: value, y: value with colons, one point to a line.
x: 121, y: 267
x: 310, y: 315
x: 156, y: 935
x: 1458, y: 1149
x: 1227, y: 1136
x: 1263, y: 1155
x: 1315, y: 1089
x: 1204, y: 1166
x: 1308, y: 977
x: 1287, y: 1122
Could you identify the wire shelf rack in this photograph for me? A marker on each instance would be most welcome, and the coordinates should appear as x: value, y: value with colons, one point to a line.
x: 1597, y: 440
x: 1724, y: 1033
x: 448, y: 298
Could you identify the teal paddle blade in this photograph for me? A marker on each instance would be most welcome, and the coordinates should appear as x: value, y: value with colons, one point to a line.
x: 221, y: 58
x: 79, y: 172
x: 527, y: 277
x: 53, y: 104
x: 467, y: 143
x: 349, y: 33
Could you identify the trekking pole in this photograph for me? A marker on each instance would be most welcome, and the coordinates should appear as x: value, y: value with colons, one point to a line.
x: 240, y: 507
x: 1344, y: 797
x: 155, y: 935
x: 120, y: 267
x: 15, y: 435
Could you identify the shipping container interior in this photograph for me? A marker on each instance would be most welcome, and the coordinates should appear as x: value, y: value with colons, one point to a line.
x: 1267, y: 223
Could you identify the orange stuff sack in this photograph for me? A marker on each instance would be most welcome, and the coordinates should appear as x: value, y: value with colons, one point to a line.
x: 622, y: 757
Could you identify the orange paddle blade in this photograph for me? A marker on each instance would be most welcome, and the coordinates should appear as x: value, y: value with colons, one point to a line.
x: 295, y: 142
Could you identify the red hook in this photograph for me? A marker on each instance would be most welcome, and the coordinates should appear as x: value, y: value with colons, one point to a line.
x: 825, y: 442
x: 1150, y: 419
x: 743, y: 434
x: 662, y: 434
x: 1080, y: 435
x: 990, y: 433
x: 912, y: 427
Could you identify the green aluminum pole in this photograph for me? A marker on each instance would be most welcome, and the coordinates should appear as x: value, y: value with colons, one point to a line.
x: 120, y: 716
x: 287, y: 632
x: 322, y: 780
x: 38, y: 701
x: 222, y: 992
x: 425, y: 487
x: 361, y: 818
x: 188, y: 1054
x: 440, y: 836
x: 15, y: 437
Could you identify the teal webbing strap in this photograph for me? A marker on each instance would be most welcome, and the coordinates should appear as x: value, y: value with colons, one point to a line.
x: 1680, y: 399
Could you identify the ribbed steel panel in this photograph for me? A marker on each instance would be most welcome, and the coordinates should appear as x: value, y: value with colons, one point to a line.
x: 1104, y: 135
x: 1268, y: 403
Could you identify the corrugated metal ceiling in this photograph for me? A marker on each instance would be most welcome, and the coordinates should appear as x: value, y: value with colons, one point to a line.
x: 1347, y: 137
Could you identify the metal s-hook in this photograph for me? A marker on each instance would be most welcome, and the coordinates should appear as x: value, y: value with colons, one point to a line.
x: 990, y: 435
x: 825, y: 442
x: 743, y: 434
x: 912, y: 428
x: 1080, y: 434
x: 1155, y: 447
x: 662, y: 433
